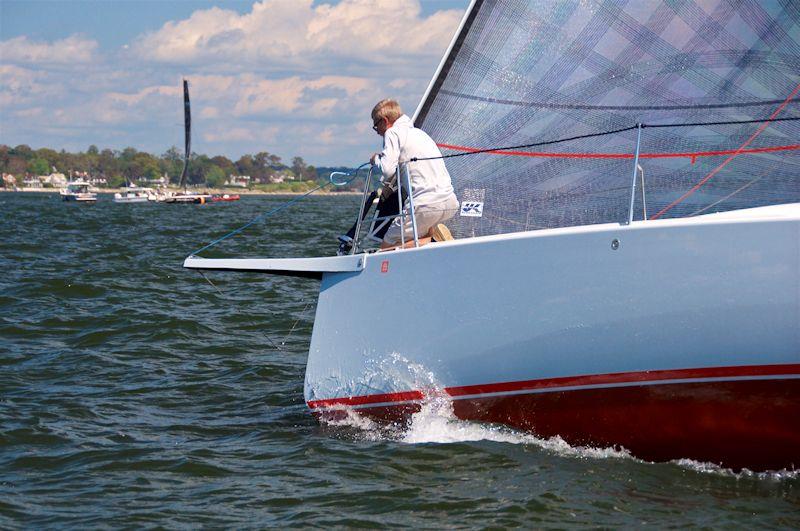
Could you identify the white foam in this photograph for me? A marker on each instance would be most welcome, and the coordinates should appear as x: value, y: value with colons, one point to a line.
x: 711, y: 468
x: 436, y: 423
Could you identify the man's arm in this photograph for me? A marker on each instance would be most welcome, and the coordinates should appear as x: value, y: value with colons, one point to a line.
x: 389, y: 157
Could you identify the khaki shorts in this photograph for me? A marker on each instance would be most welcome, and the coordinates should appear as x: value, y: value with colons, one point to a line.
x: 427, y: 216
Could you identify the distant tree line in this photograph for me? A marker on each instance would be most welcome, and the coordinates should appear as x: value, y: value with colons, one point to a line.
x: 130, y: 165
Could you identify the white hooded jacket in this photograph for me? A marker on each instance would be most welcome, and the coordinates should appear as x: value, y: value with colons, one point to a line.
x: 430, y: 181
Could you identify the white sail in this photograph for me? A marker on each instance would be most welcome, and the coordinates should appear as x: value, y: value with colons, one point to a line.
x: 523, y: 72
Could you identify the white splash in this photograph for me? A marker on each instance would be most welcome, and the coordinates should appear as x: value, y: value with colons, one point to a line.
x: 711, y: 468
x: 436, y: 422
x: 351, y: 420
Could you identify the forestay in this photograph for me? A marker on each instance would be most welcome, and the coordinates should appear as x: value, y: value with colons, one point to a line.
x: 527, y: 71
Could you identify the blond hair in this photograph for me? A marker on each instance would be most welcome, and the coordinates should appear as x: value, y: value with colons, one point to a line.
x: 388, y: 109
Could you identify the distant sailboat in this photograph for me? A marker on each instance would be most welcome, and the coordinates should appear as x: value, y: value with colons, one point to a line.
x: 186, y: 196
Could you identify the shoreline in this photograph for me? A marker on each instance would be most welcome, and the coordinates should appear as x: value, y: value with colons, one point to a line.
x: 208, y: 190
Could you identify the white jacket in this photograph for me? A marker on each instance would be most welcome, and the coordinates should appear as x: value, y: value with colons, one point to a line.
x: 430, y: 181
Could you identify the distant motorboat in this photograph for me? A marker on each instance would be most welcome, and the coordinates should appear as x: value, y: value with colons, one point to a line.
x: 135, y: 194
x: 80, y: 191
x: 224, y: 197
x: 185, y: 197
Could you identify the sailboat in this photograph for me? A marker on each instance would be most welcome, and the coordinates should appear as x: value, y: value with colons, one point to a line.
x: 626, y: 262
x: 186, y: 196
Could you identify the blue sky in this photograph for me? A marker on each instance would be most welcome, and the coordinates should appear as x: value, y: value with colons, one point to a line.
x: 291, y: 77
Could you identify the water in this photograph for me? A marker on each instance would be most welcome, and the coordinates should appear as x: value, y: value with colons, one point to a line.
x: 133, y: 392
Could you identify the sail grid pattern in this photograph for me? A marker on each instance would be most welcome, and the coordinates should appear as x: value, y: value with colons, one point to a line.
x: 527, y: 71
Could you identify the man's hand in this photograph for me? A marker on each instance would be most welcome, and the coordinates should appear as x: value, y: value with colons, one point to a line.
x: 375, y: 159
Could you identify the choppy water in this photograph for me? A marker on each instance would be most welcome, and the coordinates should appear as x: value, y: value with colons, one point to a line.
x: 133, y: 392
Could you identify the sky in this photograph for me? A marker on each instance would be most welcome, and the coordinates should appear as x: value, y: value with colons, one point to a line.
x: 290, y: 77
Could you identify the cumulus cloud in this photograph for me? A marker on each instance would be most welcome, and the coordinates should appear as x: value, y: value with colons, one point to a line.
x: 20, y: 86
x: 291, y: 77
x: 311, y: 97
x: 74, y: 49
x: 249, y: 135
x: 297, y: 33
x: 145, y: 95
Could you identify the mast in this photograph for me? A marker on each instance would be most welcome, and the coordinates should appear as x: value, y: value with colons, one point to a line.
x: 187, y: 125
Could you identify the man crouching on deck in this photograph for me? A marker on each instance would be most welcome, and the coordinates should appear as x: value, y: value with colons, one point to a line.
x: 432, y: 190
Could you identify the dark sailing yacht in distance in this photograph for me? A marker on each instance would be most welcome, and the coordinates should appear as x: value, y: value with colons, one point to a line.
x: 186, y: 196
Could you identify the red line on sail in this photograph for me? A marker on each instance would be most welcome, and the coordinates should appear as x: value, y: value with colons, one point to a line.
x: 732, y: 156
x: 688, y: 154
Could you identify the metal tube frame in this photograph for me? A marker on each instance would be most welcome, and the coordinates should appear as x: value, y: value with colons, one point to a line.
x: 635, y: 171
x: 644, y: 200
x: 356, y: 240
x: 411, y: 206
x: 400, y: 206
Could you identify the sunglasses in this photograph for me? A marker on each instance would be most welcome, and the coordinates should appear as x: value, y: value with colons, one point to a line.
x: 375, y: 125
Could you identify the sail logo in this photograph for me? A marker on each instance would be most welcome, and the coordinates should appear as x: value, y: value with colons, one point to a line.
x: 473, y: 209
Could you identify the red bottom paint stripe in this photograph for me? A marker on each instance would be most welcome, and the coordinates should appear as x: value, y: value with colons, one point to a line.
x: 588, y: 381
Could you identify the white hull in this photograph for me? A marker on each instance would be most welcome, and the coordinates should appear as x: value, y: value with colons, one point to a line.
x: 80, y: 191
x: 131, y: 200
x: 699, y: 292
x: 82, y: 198
x: 684, y: 341
x: 188, y: 198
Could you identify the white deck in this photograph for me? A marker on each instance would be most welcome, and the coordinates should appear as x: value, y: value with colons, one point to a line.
x: 315, y: 267
x: 304, y: 267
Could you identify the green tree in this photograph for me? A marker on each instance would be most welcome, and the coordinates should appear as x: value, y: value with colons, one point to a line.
x: 299, y: 167
x: 38, y: 166
x: 171, y: 163
x: 5, y: 158
x: 215, y: 176
x: 16, y: 166
x: 225, y: 164
x: 52, y: 158
x: 198, y: 168
x: 246, y: 165
x: 108, y: 165
x: 115, y: 180
x: 24, y: 151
